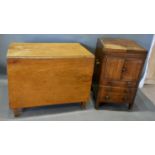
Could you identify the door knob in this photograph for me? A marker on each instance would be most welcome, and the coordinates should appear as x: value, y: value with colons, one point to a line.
x: 124, y: 69
x: 107, y: 97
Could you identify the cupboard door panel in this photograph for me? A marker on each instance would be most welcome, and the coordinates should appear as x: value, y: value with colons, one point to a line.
x: 113, y: 68
x: 132, y: 69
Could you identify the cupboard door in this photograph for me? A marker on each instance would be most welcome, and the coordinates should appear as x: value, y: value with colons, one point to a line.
x: 132, y: 69
x: 113, y: 68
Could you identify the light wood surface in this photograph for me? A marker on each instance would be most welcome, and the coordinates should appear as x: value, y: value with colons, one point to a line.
x: 42, y: 82
x: 122, y: 44
x: 55, y: 79
x: 49, y: 50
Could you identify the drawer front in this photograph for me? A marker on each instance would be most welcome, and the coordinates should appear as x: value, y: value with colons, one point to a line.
x: 117, y: 90
x: 118, y: 83
x: 114, y: 98
x: 116, y: 94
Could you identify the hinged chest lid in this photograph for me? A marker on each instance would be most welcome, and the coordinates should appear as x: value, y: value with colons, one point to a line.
x: 123, y: 45
x: 47, y: 50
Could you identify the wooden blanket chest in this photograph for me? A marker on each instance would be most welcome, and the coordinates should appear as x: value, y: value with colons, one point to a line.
x: 48, y: 73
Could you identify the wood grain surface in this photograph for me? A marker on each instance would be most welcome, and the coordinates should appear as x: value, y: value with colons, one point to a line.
x: 47, y: 50
x: 118, y: 69
x: 64, y: 78
x: 122, y: 44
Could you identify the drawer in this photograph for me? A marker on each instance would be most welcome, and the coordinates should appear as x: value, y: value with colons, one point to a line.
x: 116, y: 94
x: 115, y: 98
x: 117, y: 90
x: 118, y: 83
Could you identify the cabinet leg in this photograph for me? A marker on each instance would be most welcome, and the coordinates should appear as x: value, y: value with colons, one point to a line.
x: 17, y: 112
x: 97, y: 104
x: 130, y: 106
x: 83, y: 105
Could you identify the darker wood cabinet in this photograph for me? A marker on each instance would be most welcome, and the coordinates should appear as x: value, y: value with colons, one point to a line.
x: 118, y: 69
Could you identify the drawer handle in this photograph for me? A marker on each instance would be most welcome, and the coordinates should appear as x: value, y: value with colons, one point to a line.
x: 97, y: 62
x: 125, y: 98
x: 107, y: 97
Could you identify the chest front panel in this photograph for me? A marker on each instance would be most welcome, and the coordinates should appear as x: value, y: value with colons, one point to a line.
x: 35, y: 82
